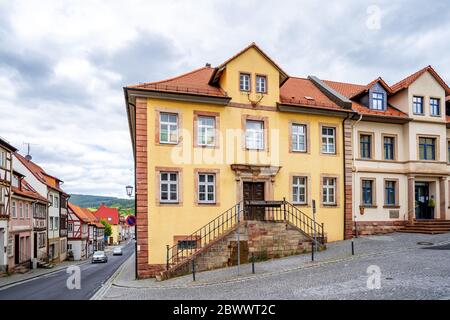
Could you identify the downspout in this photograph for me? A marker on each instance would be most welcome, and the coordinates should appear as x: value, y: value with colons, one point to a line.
x: 353, y: 163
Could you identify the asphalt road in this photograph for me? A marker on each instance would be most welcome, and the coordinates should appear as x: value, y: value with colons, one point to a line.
x: 54, y: 287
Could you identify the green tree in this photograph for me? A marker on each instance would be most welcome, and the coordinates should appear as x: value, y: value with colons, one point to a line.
x: 108, y: 230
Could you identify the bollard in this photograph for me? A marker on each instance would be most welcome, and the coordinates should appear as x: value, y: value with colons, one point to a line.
x: 193, y: 269
x: 353, y: 248
x: 312, y: 251
x: 253, y: 263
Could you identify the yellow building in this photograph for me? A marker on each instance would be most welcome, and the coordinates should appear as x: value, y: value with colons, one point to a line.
x: 245, y: 130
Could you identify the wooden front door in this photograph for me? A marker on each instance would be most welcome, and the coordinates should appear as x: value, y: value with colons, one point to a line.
x: 253, y: 191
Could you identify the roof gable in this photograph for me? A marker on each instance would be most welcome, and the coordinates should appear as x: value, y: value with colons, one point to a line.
x: 110, y: 215
x: 405, y: 83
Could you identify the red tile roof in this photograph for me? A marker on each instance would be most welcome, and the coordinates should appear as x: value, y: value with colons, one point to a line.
x: 350, y: 90
x: 39, y: 173
x: 195, y: 82
x: 405, y: 83
x: 79, y: 212
x: 27, y: 191
x: 302, y: 91
x: 110, y: 215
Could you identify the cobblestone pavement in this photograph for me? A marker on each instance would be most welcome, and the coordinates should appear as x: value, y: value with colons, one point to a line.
x: 408, y: 271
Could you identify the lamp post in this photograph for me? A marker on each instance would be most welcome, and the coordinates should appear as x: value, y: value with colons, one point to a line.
x: 129, y: 190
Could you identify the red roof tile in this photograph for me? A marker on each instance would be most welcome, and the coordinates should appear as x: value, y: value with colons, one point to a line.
x: 350, y: 90
x: 79, y: 212
x: 303, y: 92
x: 39, y: 173
x: 405, y: 83
x: 27, y: 191
x: 195, y: 82
x: 110, y: 215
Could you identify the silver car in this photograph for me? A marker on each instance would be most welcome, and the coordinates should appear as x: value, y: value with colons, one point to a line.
x: 99, y: 256
x: 117, y: 251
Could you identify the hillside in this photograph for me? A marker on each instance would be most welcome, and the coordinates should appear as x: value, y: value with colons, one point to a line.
x: 125, y: 206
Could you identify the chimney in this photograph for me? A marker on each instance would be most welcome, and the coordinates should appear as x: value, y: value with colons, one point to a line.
x: 208, y: 65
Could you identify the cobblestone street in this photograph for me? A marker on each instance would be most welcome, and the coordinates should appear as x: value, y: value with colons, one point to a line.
x: 408, y: 271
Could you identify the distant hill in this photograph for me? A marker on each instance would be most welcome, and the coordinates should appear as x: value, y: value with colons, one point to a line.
x: 125, y: 206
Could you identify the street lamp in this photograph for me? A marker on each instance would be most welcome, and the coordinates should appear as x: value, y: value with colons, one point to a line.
x: 129, y: 190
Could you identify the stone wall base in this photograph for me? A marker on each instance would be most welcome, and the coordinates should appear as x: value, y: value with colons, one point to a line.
x: 262, y: 240
x: 378, y: 227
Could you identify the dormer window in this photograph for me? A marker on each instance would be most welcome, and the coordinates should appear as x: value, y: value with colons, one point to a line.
x: 261, y: 84
x: 244, y: 82
x: 377, y: 101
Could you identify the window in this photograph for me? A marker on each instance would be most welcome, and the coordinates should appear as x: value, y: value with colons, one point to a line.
x: 56, y: 225
x: 168, y: 187
x: 418, y: 105
x: 377, y: 101
x: 299, y: 137
x: 70, y: 227
x: 448, y: 154
x: 51, y: 223
x: 427, y: 148
x: 168, y: 128
x: 187, y: 244
x: 244, y: 82
x: 261, y: 84
x: 254, y: 135
x: 435, y: 107
x: 27, y: 210
x: 329, y: 191
x: 41, y: 239
x: 14, y: 209
x: 69, y: 246
x: 206, y: 131
x: 50, y: 199
x: 20, y: 210
x: 206, y: 188
x: 389, y: 193
x: 299, y: 190
x: 15, y: 181
x: 2, y: 158
x: 389, y: 148
x: 367, y: 192
x: 56, y: 199
x: 328, y: 140
x: 365, y: 141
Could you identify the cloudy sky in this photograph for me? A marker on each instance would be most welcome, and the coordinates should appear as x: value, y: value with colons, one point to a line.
x: 63, y: 63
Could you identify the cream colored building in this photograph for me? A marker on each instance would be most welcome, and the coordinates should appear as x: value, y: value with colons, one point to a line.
x: 400, y: 151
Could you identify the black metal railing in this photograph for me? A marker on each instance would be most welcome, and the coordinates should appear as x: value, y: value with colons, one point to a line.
x: 186, y: 247
x: 280, y: 211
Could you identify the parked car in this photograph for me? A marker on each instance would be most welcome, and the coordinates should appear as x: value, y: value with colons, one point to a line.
x: 117, y: 251
x: 99, y: 256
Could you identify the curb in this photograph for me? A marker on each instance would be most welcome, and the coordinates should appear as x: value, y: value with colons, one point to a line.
x: 265, y: 275
x: 98, y: 295
x: 57, y: 269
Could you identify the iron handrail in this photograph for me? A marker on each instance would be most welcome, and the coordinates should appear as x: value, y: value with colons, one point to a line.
x: 204, y: 235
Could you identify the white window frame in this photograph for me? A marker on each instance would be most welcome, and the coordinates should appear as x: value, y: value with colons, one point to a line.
x: 27, y: 210
x: 56, y: 224
x: 206, y: 183
x: 169, y: 183
x: 50, y: 199
x: 328, y: 189
x: 297, y: 136
x: 244, y: 81
x: 329, y: 145
x: 172, y: 128
x: 261, y: 84
x: 56, y: 200
x: 14, y: 209
x: 20, y: 210
x: 376, y: 100
x: 297, y: 186
x: 206, y: 130
x: 2, y: 158
x: 254, y: 138
x: 51, y: 224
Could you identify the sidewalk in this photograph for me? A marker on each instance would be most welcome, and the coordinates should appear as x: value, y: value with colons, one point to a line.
x: 336, y: 252
x: 36, y: 273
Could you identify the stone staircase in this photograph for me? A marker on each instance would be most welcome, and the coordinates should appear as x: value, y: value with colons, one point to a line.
x: 427, y: 227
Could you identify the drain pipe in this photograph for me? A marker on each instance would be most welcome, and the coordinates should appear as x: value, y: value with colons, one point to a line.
x: 354, y: 140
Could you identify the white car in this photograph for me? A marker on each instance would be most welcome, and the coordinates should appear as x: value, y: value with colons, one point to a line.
x: 99, y: 256
x: 117, y: 251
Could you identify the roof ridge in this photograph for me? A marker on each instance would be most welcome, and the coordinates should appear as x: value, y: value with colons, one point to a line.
x: 172, y: 78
